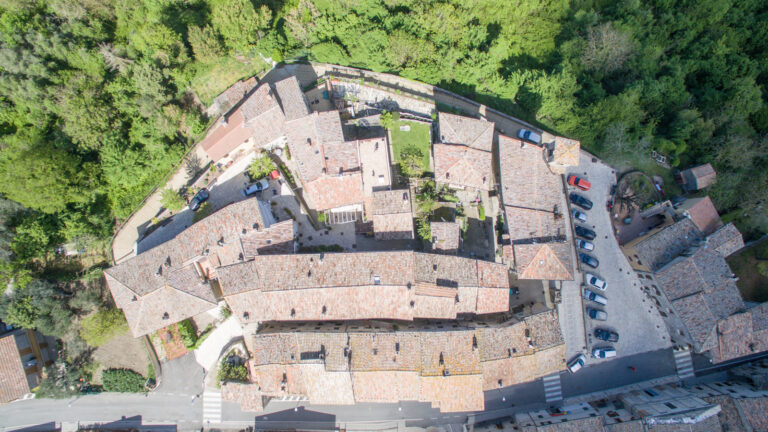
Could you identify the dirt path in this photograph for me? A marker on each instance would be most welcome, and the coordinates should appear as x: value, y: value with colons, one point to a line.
x: 123, y: 351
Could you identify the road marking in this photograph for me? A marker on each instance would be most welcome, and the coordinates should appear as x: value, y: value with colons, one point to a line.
x: 212, y: 407
x: 552, y: 390
x: 684, y: 364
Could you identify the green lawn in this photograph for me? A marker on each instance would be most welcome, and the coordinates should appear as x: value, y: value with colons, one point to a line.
x: 418, y: 137
x: 752, y: 284
x: 214, y: 78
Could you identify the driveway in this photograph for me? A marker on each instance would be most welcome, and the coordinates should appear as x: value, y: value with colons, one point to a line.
x: 224, y: 191
x: 630, y: 313
x: 209, y: 351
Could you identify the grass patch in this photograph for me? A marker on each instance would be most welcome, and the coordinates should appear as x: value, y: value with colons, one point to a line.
x: 98, y: 328
x: 751, y: 266
x: 418, y: 137
x: 212, y: 79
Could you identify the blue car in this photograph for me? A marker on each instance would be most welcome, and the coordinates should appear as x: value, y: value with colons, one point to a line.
x: 529, y: 136
x: 198, y: 199
x: 589, y: 260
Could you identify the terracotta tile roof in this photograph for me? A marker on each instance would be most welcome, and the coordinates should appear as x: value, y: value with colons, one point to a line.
x: 453, y: 393
x: 729, y: 416
x: 420, y: 362
x: 468, y: 131
x: 248, y: 396
x: 391, y: 202
x: 277, y: 239
x: 536, y: 212
x: 703, y: 213
x: 296, y: 287
x: 726, y: 240
x: 385, y: 386
x: 709, y: 424
x: 567, y: 152
x: 742, y: 334
x: 526, y: 180
x: 328, y: 124
x: 699, y: 177
x: 236, y: 92
x: 755, y: 411
x: 698, y: 319
x: 226, y: 136
x: 544, y: 329
x: 340, y: 157
x: 445, y: 237
x: 661, y: 247
x: 305, y: 147
x: 13, y: 379
x: 329, y: 192
x: 627, y: 426
x: 393, y: 226
x: 292, y: 99
x: 591, y: 424
x: 374, y: 164
x: 170, y: 274
x: 462, y: 165
x: 546, y: 261
x: 335, y: 303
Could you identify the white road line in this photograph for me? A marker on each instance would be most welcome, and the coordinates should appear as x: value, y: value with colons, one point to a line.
x: 684, y: 364
x: 212, y: 407
x: 552, y: 389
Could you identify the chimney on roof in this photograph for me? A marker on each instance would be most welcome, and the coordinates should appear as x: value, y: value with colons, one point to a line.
x: 397, y: 347
x: 256, y: 226
x: 375, y: 351
x: 522, y: 144
x: 168, y: 261
x: 159, y: 271
x: 245, y: 230
x: 441, y: 360
x: 224, y: 120
x: 246, y: 315
x: 413, y: 303
x: 457, y: 298
x: 501, y: 384
x: 325, y: 309
x: 309, y: 141
x: 474, y: 342
x: 446, y: 372
x: 293, y: 312
x: 405, y: 196
x: 166, y: 316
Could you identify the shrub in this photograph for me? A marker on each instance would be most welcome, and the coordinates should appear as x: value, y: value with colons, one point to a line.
x: 225, y: 313
x: 232, y: 368
x: 122, y: 380
x: 188, y: 333
x: 412, y: 162
x: 260, y: 167
x: 762, y: 268
x: 424, y: 228
x: 203, y: 212
x: 322, y: 217
x: 171, y: 200
x: 481, y: 212
x: 99, y: 328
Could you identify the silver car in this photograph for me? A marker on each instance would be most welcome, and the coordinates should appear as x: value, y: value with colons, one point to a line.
x: 593, y: 296
x: 595, y: 281
x: 585, y: 245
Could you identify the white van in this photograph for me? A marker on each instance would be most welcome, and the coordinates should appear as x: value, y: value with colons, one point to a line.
x: 577, y: 363
x: 606, y: 352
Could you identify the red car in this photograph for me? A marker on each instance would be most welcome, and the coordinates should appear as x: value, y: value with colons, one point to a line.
x: 579, y: 182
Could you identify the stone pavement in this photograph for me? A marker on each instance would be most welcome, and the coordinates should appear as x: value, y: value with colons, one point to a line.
x: 209, y: 351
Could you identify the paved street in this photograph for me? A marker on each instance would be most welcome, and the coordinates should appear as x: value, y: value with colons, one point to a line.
x: 164, y: 407
x: 630, y: 313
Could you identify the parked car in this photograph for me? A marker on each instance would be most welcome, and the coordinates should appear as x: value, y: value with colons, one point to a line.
x: 529, y: 135
x: 589, y: 260
x: 579, y: 182
x: 585, y: 245
x: 580, y: 201
x: 255, y: 187
x: 200, y: 197
x: 579, y: 216
x: 605, y: 352
x: 606, y: 335
x: 597, y: 314
x: 577, y: 363
x: 585, y: 232
x: 593, y: 296
x: 595, y: 281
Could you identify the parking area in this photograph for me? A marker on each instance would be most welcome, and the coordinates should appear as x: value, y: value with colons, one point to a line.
x: 630, y: 313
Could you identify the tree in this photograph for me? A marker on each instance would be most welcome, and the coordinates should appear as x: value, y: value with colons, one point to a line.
x: 238, y: 23
x: 607, y: 49
x: 122, y: 380
x: 412, y: 162
x: 188, y: 333
x: 260, y: 167
x: 206, y: 43
x: 171, y: 200
x: 62, y: 379
x: 424, y: 228
x: 100, y: 327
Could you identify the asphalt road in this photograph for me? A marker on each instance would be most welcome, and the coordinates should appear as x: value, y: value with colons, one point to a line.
x: 163, y: 408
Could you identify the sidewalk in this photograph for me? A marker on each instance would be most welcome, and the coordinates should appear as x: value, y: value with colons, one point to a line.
x: 124, y: 243
x: 209, y: 351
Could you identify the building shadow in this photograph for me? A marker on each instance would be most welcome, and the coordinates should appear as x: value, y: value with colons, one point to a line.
x: 298, y: 418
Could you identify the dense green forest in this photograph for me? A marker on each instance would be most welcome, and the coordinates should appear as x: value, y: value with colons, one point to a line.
x: 100, y: 99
